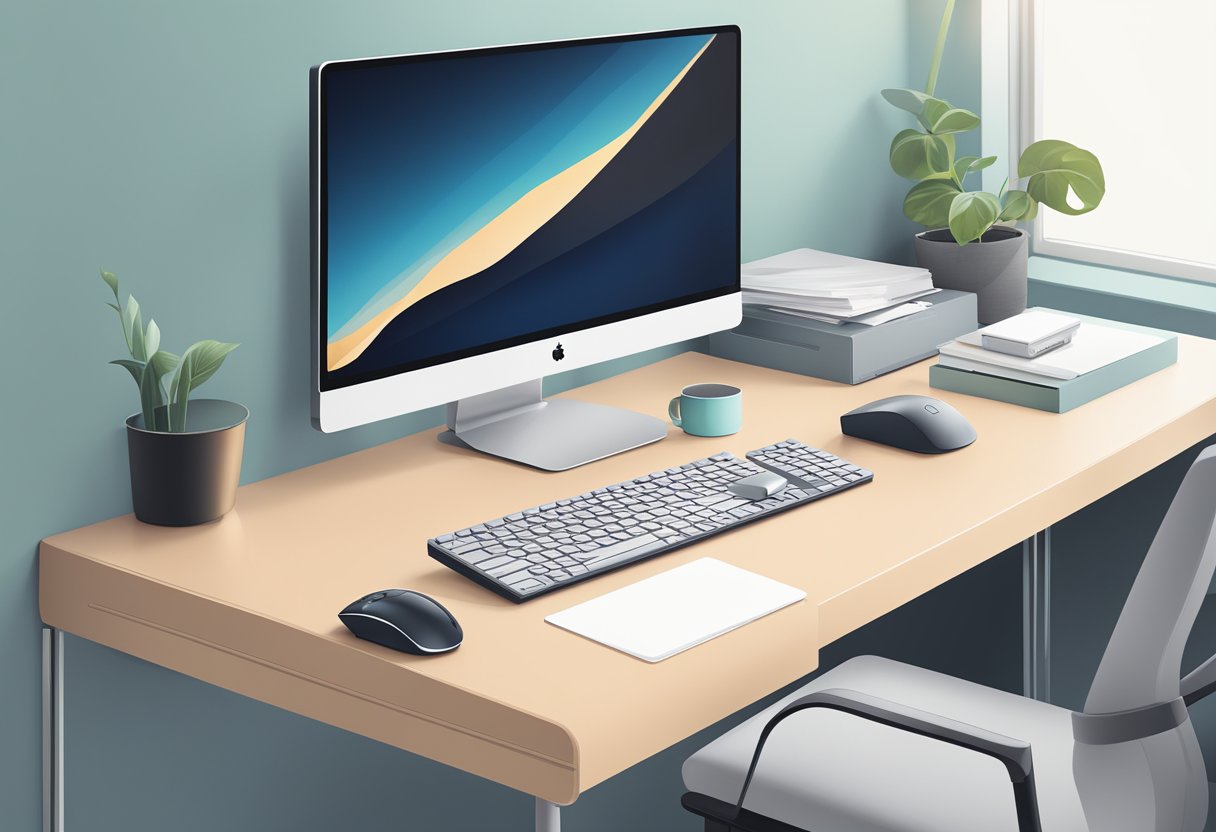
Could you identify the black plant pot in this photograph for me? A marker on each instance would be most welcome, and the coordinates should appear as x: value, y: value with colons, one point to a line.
x: 183, y: 479
x: 994, y: 268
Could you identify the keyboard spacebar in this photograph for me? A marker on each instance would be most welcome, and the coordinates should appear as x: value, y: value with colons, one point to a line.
x: 624, y: 550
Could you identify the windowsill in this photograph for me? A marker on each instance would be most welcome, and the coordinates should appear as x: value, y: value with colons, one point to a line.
x: 1133, y: 297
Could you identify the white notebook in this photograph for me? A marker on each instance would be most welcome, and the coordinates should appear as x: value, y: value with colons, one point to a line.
x: 678, y: 609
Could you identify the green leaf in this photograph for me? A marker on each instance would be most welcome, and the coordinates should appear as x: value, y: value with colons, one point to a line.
x: 207, y: 356
x: 151, y: 397
x: 911, y: 100
x: 133, y: 328
x: 950, y: 120
x: 1057, y: 168
x: 971, y: 214
x: 963, y: 166
x: 1018, y: 205
x: 111, y: 281
x: 135, y: 368
x: 970, y: 164
x: 928, y: 203
x: 916, y: 155
x: 934, y: 109
x: 166, y: 362
x: 151, y: 339
x: 179, y: 393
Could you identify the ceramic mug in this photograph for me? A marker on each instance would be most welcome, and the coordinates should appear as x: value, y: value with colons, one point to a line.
x: 708, y: 409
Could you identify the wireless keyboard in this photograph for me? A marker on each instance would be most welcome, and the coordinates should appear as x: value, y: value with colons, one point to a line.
x: 538, y: 550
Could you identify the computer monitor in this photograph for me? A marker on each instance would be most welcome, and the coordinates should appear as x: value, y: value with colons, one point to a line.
x: 484, y: 217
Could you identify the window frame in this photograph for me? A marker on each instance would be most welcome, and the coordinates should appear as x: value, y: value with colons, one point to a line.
x: 1009, y: 83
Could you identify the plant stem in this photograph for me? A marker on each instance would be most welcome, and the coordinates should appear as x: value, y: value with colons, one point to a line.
x: 939, y: 47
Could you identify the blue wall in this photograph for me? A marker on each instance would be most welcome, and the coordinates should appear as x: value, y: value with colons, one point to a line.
x: 168, y: 142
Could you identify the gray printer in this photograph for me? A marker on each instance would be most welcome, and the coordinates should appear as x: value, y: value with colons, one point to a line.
x: 847, y: 352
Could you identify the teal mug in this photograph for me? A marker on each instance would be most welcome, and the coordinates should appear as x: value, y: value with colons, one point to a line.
x: 708, y: 409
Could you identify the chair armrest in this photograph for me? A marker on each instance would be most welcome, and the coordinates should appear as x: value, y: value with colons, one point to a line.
x: 1013, y: 753
x: 1199, y: 682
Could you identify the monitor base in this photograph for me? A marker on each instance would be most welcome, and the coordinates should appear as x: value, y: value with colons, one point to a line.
x: 517, y: 423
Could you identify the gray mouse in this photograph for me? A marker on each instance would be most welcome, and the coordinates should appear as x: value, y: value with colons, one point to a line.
x: 403, y: 620
x: 912, y: 423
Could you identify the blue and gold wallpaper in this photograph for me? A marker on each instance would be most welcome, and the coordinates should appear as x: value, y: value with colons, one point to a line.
x: 480, y: 200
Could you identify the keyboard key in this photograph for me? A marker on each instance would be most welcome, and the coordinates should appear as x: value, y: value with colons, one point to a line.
x: 475, y: 557
x: 511, y: 565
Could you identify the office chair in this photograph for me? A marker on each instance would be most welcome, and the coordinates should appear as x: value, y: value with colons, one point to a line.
x: 879, y: 746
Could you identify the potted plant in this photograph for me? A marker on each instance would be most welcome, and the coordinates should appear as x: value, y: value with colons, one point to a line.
x: 995, y: 267
x: 185, y: 454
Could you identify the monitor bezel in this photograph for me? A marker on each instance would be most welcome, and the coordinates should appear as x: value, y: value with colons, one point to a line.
x: 709, y: 304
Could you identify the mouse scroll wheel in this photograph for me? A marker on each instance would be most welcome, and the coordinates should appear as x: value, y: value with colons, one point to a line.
x: 375, y: 596
x: 931, y: 409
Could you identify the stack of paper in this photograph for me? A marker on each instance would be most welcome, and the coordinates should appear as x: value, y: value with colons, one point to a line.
x: 833, y: 287
x: 1094, y: 346
x: 1102, y: 357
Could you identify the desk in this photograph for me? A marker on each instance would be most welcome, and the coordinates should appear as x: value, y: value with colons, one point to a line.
x: 249, y: 603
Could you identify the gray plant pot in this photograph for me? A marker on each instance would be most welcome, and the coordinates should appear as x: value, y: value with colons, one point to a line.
x: 994, y: 268
x: 183, y: 479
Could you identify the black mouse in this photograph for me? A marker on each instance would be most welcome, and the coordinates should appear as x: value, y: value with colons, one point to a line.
x: 912, y: 423
x: 404, y: 620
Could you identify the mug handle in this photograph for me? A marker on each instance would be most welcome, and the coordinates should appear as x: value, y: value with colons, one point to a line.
x: 673, y: 410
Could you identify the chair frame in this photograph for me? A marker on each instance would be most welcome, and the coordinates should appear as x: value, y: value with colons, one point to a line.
x: 1014, y: 754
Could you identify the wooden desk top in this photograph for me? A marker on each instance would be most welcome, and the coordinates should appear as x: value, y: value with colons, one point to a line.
x: 250, y: 602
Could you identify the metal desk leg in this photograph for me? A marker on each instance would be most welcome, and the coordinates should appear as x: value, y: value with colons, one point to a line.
x: 1036, y: 616
x: 548, y: 816
x: 52, y: 730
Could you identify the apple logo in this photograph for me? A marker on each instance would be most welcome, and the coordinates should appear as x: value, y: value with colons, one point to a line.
x: 558, y: 353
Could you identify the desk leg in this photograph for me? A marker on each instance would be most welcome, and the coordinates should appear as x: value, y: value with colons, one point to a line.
x: 548, y: 816
x: 1036, y: 616
x: 52, y: 730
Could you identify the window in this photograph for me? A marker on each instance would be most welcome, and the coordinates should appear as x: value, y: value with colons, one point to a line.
x: 1135, y: 83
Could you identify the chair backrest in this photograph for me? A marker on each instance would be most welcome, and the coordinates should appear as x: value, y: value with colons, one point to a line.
x: 1143, y: 660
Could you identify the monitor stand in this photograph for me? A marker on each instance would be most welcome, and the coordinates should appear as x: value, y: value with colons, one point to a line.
x: 517, y: 423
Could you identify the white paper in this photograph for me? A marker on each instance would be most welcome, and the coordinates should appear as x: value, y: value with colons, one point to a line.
x: 1001, y: 372
x: 822, y: 275
x: 892, y: 314
x: 839, y: 310
x: 882, y: 316
x: 678, y: 609
x: 1093, y: 346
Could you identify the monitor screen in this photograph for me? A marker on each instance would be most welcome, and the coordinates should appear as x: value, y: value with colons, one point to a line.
x: 476, y: 200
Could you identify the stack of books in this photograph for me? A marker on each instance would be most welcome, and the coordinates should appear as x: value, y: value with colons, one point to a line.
x: 1101, y: 357
x: 834, y: 288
